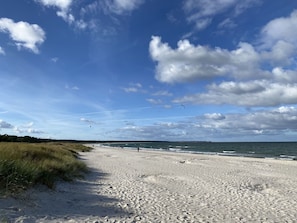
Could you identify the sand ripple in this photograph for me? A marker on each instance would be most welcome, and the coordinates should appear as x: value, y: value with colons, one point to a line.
x: 168, y: 187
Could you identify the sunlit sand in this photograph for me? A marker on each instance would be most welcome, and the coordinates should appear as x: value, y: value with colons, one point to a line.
x: 151, y: 186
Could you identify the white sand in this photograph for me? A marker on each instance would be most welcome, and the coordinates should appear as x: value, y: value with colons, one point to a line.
x: 147, y: 186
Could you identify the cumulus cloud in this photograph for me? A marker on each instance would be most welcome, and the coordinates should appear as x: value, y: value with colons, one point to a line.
x: 201, y: 12
x: 121, y: 6
x: 248, y: 79
x: 280, y: 29
x: 25, y: 35
x: 284, y: 76
x: 189, y: 62
x: 278, y: 39
x: 281, y: 53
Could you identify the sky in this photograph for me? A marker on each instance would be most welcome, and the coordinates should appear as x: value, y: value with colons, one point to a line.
x: 178, y: 70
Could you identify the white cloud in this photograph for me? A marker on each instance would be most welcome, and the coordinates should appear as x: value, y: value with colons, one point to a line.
x: 241, y: 6
x: 202, y: 23
x: 134, y: 88
x: 28, y: 125
x: 28, y: 130
x: 131, y: 89
x: 254, y: 93
x: 75, y: 88
x: 189, y: 62
x: 64, y: 11
x: 280, y: 53
x: 2, y: 51
x: 25, y: 35
x: 227, y: 23
x: 284, y: 109
x: 263, y: 123
x: 35, y: 131
x: 71, y: 87
x: 250, y: 81
x: 154, y: 101
x: 283, y: 118
x: 280, y: 29
x: 111, y: 10
x: 215, y: 116
x: 201, y: 12
x: 61, y: 4
x: 157, y: 131
x: 55, y: 59
x: 88, y: 121
x: 239, y: 88
x: 162, y: 93
x: 203, y: 8
x: 121, y: 6
x: 137, y: 85
x: 91, y: 8
x: 278, y: 39
x: 284, y: 76
x: 70, y: 19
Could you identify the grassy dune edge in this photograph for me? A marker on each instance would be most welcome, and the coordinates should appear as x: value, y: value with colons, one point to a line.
x: 23, y: 165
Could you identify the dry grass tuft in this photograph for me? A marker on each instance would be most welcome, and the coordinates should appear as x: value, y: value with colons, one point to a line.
x: 23, y: 165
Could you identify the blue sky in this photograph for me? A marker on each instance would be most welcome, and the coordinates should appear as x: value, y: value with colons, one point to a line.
x: 221, y: 70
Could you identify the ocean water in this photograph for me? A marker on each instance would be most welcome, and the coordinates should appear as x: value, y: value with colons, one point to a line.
x: 275, y: 150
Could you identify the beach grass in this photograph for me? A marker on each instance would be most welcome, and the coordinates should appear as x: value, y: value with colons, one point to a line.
x: 23, y: 165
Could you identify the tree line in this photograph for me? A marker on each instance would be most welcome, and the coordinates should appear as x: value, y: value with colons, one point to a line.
x: 13, y: 138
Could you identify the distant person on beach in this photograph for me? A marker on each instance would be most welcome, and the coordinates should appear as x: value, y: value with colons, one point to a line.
x: 138, y: 149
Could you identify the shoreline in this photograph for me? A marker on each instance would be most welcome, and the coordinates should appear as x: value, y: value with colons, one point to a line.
x: 277, y: 150
x: 154, y: 186
x: 228, y: 153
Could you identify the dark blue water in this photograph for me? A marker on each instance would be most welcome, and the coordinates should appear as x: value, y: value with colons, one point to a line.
x: 277, y: 150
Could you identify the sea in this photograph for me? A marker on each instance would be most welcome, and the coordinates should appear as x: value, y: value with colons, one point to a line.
x: 268, y: 150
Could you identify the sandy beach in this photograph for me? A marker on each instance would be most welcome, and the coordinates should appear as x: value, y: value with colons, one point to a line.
x: 150, y: 186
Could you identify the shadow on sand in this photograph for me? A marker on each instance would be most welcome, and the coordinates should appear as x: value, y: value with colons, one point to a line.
x: 80, y: 199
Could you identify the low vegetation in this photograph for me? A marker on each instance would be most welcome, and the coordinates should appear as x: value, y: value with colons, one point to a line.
x: 23, y: 165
